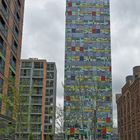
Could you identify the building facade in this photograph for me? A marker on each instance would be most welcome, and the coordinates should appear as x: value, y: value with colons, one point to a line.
x: 11, y: 23
x: 88, y: 80
x: 50, y: 100
x: 128, y: 107
x: 115, y: 134
x: 38, y: 81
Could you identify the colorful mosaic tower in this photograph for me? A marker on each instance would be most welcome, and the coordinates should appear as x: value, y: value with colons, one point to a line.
x: 88, y: 80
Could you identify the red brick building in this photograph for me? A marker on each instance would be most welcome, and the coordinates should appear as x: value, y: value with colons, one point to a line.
x: 11, y: 24
x: 128, y: 106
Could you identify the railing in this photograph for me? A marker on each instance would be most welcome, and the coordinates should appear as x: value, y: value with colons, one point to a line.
x: 37, y: 102
x: 36, y: 111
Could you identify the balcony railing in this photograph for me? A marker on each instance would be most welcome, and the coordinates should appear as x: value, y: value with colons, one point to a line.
x: 36, y: 111
x: 37, y: 102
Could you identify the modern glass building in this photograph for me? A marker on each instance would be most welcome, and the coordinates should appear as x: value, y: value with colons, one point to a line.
x: 88, y: 80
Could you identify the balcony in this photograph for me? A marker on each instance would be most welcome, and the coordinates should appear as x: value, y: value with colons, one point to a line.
x: 3, y: 29
x: 36, y: 110
x: 37, y: 82
x: 37, y: 101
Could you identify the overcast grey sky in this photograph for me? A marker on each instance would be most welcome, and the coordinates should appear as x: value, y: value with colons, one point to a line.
x: 43, y: 37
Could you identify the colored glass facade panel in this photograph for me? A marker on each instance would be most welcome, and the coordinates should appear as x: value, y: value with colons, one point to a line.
x: 88, y: 80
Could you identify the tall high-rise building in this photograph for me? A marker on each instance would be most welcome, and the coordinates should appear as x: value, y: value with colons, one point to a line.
x: 88, y: 80
x: 11, y: 23
x: 38, y: 81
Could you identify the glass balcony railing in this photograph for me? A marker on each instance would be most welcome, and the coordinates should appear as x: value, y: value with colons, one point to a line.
x: 36, y: 111
x: 3, y: 29
x: 36, y: 102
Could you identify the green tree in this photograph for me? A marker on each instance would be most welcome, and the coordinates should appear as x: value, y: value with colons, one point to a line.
x: 15, y: 104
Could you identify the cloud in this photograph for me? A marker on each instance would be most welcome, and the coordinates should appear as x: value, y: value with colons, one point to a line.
x: 125, y: 41
x: 44, y: 37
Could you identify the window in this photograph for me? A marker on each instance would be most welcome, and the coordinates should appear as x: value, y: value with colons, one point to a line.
x: 72, y: 48
x: 36, y: 100
x: 81, y: 49
x: 37, y: 91
x: 51, y: 100
x: 72, y: 77
x: 2, y: 47
x: 36, y: 109
x: 26, y: 65
x: 50, y: 83
x: 25, y: 81
x: 37, y: 82
x: 12, y: 75
x: 93, y: 13
x: 69, y: 4
x: 38, y: 65
x: 13, y: 61
x: 14, y: 46
x: 19, y: 3
x: 93, y: 30
x: 4, y: 4
x: 2, y: 64
x: 17, y: 17
x: 2, y: 22
x: 97, y: 30
x: 81, y: 58
x: 1, y: 85
x: 73, y: 30
x: 25, y: 72
x: 38, y: 73
x: 69, y: 13
x: 102, y: 78
x: 16, y: 31
x: 50, y: 66
x: 50, y: 75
